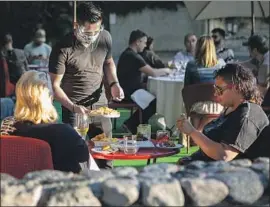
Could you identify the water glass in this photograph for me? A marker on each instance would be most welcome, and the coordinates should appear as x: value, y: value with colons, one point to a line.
x: 130, y: 144
x: 144, y: 130
x: 81, y: 124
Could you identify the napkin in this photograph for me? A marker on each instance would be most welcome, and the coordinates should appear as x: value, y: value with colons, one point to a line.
x: 142, y: 98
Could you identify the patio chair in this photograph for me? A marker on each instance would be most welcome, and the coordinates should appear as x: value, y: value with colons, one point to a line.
x: 198, y: 93
x: 20, y: 155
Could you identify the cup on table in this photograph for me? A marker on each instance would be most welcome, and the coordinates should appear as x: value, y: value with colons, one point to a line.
x: 144, y: 130
x: 130, y: 144
x: 81, y: 124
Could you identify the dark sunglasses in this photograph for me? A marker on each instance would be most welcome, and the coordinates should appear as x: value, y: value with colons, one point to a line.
x: 214, y: 36
x: 220, y: 90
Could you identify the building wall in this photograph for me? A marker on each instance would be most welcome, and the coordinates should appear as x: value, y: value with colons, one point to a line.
x: 167, y: 27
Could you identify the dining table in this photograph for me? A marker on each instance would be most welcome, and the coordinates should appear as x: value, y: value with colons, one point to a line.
x: 149, y: 154
x: 168, y: 93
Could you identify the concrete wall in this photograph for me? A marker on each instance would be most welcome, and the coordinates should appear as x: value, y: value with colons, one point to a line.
x: 167, y: 27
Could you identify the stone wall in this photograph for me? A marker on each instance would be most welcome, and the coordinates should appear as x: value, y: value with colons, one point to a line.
x: 197, y: 184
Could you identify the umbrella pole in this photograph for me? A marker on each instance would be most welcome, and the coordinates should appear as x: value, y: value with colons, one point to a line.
x: 252, y: 18
x: 74, y: 15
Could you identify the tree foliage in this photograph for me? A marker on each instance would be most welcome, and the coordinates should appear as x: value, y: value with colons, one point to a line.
x: 21, y: 19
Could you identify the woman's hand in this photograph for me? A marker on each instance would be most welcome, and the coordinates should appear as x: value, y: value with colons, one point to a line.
x: 184, y: 125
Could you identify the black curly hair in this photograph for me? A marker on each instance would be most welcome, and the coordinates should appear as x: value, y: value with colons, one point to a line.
x: 88, y: 12
x: 243, y: 80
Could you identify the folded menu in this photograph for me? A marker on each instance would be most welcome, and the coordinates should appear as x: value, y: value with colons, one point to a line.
x: 142, y: 97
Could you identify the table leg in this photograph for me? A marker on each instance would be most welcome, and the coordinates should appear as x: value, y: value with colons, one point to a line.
x: 155, y: 160
x: 148, y: 161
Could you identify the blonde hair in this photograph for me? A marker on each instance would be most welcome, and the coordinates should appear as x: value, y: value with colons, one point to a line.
x: 33, y: 100
x: 205, y: 54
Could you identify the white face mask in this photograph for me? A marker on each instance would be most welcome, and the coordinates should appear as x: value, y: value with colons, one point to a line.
x: 86, y: 39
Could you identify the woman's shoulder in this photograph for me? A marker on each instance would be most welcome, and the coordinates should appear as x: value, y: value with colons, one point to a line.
x: 58, y: 127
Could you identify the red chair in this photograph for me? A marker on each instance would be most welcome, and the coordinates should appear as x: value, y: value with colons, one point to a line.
x: 20, y: 155
x: 198, y: 93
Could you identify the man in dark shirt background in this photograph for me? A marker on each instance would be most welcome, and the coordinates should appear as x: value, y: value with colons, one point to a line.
x: 16, y: 59
x: 76, y: 66
x: 130, y: 67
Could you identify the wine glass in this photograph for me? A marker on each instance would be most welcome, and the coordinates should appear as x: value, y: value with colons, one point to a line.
x: 81, y: 124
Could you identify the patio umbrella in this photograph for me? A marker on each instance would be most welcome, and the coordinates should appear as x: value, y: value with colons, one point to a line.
x: 205, y: 10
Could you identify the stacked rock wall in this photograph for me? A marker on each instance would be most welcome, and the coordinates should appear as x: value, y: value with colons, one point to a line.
x: 197, y: 184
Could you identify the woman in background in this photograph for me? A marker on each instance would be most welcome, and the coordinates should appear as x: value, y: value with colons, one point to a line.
x: 35, y: 116
x: 150, y: 57
x: 202, y: 70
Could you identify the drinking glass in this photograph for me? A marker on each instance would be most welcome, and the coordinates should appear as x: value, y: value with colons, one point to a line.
x: 130, y: 144
x: 144, y: 130
x: 81, y: 124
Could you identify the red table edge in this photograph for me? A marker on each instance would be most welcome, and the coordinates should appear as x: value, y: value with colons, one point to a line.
x: 123, y: 156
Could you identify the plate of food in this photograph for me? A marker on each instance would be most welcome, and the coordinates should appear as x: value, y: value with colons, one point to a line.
x: 168, y: 145
x: 102, y: 140
x: 104, y: 112
x: 107, y: 149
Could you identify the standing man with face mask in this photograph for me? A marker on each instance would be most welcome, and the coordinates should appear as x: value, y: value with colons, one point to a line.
x: 226, y: 54
x: 76, y: 68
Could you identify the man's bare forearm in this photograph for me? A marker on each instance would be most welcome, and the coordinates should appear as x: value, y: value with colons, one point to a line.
x: 61, y: 96
x: 160, y: 72
x: 110, y: 71
x: 210, y: 148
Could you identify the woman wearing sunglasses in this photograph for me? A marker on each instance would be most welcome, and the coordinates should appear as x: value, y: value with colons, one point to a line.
x: 237, y: 132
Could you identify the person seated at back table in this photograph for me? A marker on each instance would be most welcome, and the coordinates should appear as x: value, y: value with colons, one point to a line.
x: 150, y: 57
x: 36, y: 117
x: 129, y: 69
x: 185, y: 56
x: 235, y: 133
x: 201, y: 70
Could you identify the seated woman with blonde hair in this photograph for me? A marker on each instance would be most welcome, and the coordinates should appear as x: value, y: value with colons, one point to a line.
x: 202, y: 70
x: 36, y: 117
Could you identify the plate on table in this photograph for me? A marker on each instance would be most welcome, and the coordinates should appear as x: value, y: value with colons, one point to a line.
x: 104, y: 112
x: 168, y: 145
x: 104, y: 149
x: 102, y: 140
